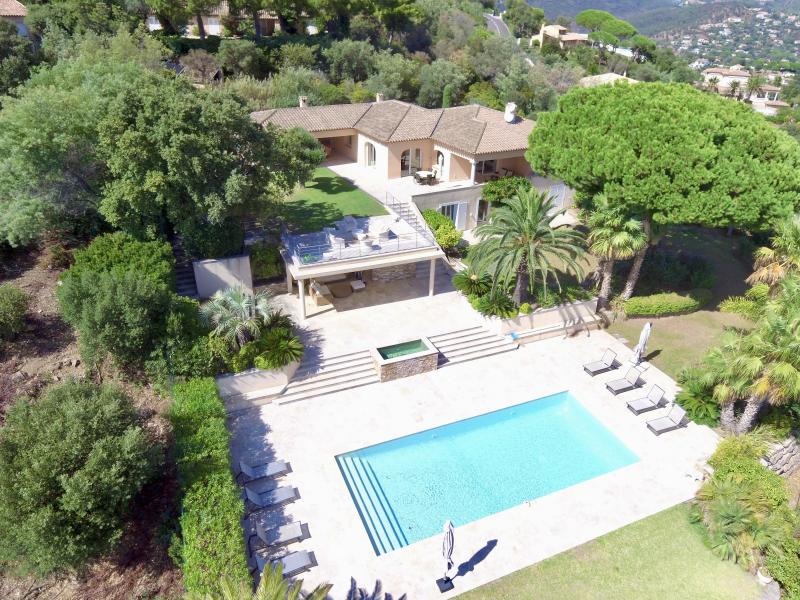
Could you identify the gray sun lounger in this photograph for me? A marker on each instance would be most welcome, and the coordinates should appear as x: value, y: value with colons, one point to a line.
x: 272, y: 469
x: 607, y: 363
x: 631, y: 380
x: 270, y: 498
x: 279, y: 536
x: 293, y: 563
x: 650, y: 402
x: 675, y: 419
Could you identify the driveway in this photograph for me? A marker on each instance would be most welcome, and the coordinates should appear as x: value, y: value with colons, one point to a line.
x: 497, y: 25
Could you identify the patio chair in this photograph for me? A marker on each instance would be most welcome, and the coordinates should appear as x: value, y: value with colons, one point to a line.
x: 293, y: 563
x: 278, y: 536
x: 418, y: 178
x: 607, y: 363
x: 384, y: 233
x: 271, y: 498
x: 650, y: 402
x: 675, y: 419
x: 250, y: 472
x: 435, y: 174
x: 630, y: 381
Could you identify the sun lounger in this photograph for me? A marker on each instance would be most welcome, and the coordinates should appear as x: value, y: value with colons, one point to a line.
x: 293, y: 563
x: 630, y: 381
x: 607, y: 363
x: 272, y: 469
x: 271, y: 498
x: 676, y: 418
x: 650, y: 402
x: 279, y: 536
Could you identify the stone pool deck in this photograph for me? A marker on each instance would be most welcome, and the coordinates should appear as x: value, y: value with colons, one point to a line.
x: 311, y: 433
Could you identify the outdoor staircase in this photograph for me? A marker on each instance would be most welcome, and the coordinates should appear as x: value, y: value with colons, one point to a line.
x: 409, y: 212
x: 379, y: 519
x: 317, y: 377
x: 185, y: 284
x: 469, y: 344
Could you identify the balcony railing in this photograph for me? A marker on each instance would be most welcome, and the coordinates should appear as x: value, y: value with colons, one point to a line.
x: 305, y: 253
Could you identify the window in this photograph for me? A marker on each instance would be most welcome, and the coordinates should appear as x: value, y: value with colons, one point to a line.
x: 410, y: 162
x: 369, y: 151
x: 450, y: 211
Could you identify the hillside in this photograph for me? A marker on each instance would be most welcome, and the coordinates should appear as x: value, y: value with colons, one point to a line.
x: 625, y: 9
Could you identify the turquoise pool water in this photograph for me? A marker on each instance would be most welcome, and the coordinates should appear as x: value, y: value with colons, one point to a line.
x: 402, y: 349
x: 406, y: 488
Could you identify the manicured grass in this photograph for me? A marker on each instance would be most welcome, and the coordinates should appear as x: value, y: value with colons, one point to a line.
x: 327, y: 198
x: 681, y: 341
x: 653, y: 559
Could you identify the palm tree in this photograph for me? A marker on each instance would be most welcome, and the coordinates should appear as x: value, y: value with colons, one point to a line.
x: 519, y: 242
x: 734, y: 89
x: 713, y: 83
x: 236, y: 315
x: 772, y: 265
x: 754, y: 84
x: 271, y: 587
x: 613, y: 236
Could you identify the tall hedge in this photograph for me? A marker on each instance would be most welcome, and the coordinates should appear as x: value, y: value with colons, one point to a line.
x: 211, y: 542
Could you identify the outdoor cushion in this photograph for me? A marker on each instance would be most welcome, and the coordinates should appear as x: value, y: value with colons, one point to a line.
x: 277, y: 536
x: 607, y: 363
x: 629, y: 382
x: 673, y: 420
x: 269, y: 498
x: 650, y: 402
x: 272, y: 469
x: 292, y: 563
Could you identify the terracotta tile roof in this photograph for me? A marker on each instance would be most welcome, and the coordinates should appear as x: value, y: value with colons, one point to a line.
x: 575, y: 37
x: 727, y: 72
x: 468, y: 129
x: 12, y: 8
x: 776, y: 103
x: 767, y: 87
x: 603, y: 79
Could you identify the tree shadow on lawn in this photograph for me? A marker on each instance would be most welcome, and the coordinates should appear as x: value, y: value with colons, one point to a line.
x: 330, y: 185
x: 304, y: 216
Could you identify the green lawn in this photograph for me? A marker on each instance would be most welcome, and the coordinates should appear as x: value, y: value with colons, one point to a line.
x: 653, y: 559
x: 325, y: 199
x: 680, y: 341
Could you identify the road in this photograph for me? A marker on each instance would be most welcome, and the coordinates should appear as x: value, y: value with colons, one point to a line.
x: 497, y: 25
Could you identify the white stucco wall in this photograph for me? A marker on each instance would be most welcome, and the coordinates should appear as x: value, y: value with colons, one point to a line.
x: 468, y: 196
x: 220, y: 274
x: 381, y: 155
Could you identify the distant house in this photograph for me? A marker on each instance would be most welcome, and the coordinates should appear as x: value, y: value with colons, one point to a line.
x: 560, y: 35
x: 15, y: 12
x: 725, y: 77
x: 764, y: 100
x: 213, y: 21
x: 604, y: 79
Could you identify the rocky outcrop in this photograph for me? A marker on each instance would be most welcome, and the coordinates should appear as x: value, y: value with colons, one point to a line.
x: 783, y: 457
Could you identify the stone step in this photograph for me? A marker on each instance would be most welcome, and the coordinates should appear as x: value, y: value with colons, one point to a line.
x: 486, y: 344
x: 445, y: 337
x: 448, y: 360
x: 337, y: 376
x: 326, y: 363
x: 329, y: 388
x: 462, y: 340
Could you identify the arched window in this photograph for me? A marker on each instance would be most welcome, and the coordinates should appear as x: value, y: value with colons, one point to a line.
x: 369, y: 153
x: 410, y: 162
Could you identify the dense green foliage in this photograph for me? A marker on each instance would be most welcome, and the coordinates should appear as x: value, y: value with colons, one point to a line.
x: 751, y: 305
x: 210, y: 544
x: 70, y: 465
x: 697, y: 398
x: 495, y: 303
x: 444, y: 230
x: 13, y: 306
x: 265, y: 261
x: 17, y: 56
x: 670, y: 303
x: 497, y: 190
x: 472, y: 283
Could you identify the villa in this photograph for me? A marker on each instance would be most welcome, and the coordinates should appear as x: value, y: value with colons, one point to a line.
x: 15, y: 12
x: 764, y: 100
x: 560, y: 35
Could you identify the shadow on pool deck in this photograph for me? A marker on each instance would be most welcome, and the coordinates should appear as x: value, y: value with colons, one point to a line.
x: 476, y: 559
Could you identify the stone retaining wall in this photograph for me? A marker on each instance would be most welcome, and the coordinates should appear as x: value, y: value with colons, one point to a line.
x: 394, y: 273
x: 783, y: 457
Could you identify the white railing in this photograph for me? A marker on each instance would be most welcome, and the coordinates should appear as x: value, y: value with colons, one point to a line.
x: 310, y: 254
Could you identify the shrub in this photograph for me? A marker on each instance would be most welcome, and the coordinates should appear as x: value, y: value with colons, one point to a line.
x: 751, y: 305
x: 118, y: 253
x: 525, y: 308
x: 784, y: 566
x: 496, y: 303
x: 669, y: 303
x: 504, y: 188
x: 697, y: 399
x: 668, y: 271
x: 210, y: 543
x: 204, y: 240
x: 445, y: 232
x: 471, y: 282
x: 13, y: 305
x: 265, y: 261
x: 554, y: 297
x: 280, y: 351
x: 70, y: 465
x: 242, y: 57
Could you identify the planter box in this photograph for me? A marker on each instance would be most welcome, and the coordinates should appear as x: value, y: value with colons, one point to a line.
x: 405, y: 365
x: 254, y: 387
x: 562, y: 317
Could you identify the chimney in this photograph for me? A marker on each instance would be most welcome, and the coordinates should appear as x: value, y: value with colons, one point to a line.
x: 379, y: 97
x: 303, y: 101
x: 511, y: 112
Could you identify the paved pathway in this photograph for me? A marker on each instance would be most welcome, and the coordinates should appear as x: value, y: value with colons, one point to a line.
x: 497, y: 25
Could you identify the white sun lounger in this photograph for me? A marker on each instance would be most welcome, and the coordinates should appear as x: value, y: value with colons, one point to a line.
x: 293, y: 563
x: 271, y: 469
x: 676, y: 418
x: 650, y: 402
x: 271, y: 498
x: 607, y: 363
x: 629, y: 382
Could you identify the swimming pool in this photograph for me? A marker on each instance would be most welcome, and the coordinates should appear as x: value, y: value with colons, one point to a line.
x: 406, y: 488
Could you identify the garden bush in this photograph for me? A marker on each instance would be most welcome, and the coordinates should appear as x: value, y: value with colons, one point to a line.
x: 668, y: 303
x: 118, y: 253
x: 471, y: 282
x: 496, y: 303
x: 697, y: 399
x: 554, y: 297
x: 274, y: 349
x: 70, y: 465
x: 204, y: 240
x: 666, y: 271
x: 751, y: 305
x: 445, y: 232
x: 784, y: 565
x: 209, y: 544
x: 13, y: 306
x: 497, y: 190
x: 265, y: 261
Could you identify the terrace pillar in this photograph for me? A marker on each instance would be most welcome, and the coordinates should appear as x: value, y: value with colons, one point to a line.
x: 431, y: 277
x: 472, y: 171
x: 301, y: 284
x: 288, y: 281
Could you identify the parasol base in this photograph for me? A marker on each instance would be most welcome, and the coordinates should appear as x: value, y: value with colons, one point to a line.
x: 445, y: 584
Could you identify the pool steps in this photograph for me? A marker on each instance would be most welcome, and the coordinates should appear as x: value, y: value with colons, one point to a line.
x: 320, y: 376
x: 382, y: 525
